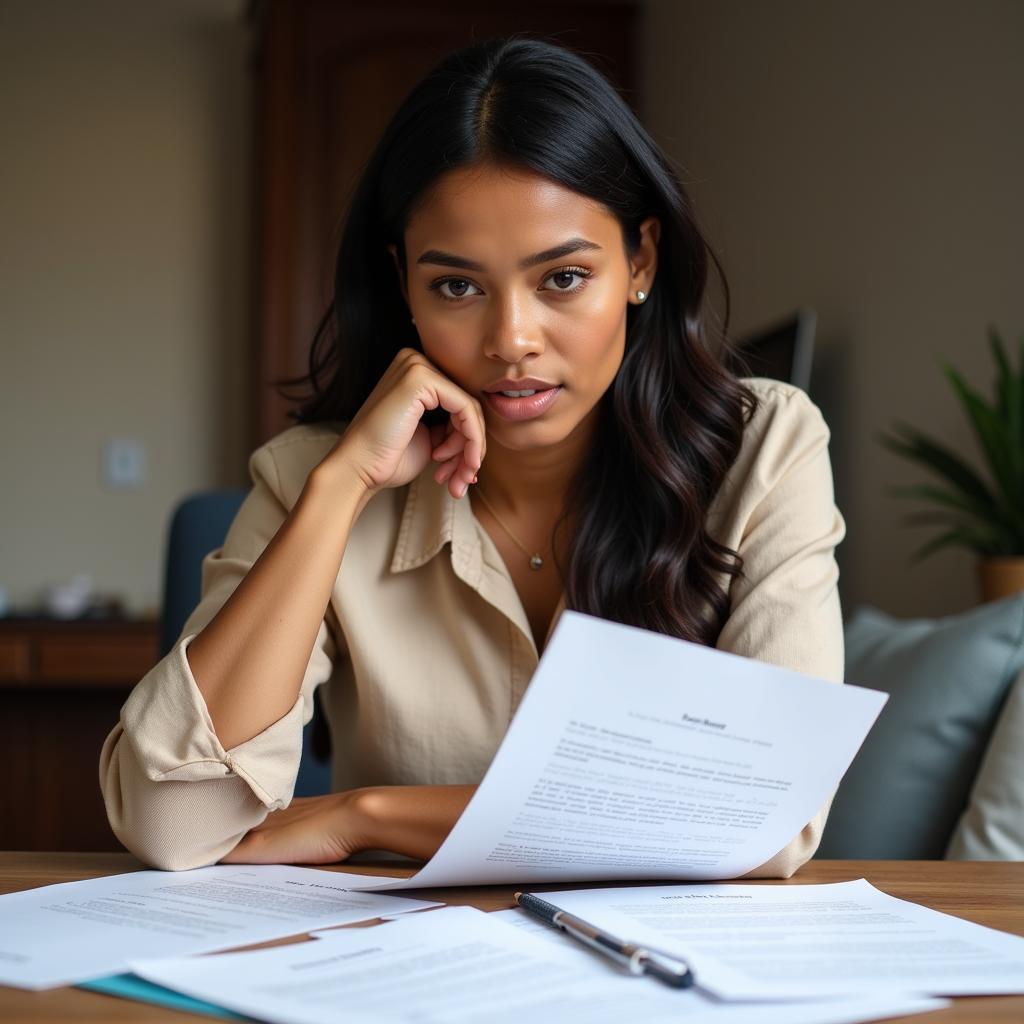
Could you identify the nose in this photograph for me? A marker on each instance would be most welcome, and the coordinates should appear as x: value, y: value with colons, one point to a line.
x: 511, y: 333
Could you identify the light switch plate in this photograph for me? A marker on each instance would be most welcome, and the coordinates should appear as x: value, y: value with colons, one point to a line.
x: 124, y: 463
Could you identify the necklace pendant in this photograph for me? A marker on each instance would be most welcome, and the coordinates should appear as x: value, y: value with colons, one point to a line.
x: 536, y: 562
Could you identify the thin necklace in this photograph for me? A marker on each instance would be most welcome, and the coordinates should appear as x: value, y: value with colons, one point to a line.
x: 536, y: 561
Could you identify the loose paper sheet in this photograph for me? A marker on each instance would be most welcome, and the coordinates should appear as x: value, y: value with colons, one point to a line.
x: 61, y: 934
x: 793, y: 941
x: 635, y: 755
x: 461, y: 965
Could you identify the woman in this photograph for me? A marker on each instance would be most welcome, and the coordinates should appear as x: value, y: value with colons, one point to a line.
x: 515, y: 408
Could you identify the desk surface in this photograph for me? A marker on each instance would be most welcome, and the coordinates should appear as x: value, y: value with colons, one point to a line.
x: 988, y: 893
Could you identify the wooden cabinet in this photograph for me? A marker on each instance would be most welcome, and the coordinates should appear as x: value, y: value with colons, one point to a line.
x: 62, y: 685
x: 329, y: 75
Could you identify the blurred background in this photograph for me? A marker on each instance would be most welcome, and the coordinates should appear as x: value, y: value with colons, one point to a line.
x: 174, y: 175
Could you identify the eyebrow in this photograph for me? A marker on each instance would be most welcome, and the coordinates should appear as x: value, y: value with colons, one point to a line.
x: 447, y: 259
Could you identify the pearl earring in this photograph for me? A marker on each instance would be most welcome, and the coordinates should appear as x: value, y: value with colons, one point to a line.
x: 412, y: 319
x: 641, y: 296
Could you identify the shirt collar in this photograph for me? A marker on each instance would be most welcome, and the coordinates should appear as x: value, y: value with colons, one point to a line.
x: 432, y: 518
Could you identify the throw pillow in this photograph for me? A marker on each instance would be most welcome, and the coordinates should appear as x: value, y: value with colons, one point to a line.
x: 947, y: 679
x: 992, y: 827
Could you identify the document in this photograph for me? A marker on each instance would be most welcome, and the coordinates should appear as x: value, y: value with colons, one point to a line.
x: 73, y: 931
x: 635, y: 755
x: 798, y: 941
x: 462, y: 965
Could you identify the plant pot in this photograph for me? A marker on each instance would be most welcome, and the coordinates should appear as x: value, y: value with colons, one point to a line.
x: 1000, y: 577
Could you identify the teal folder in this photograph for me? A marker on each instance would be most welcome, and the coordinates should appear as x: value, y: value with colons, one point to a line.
x: 128, y: 986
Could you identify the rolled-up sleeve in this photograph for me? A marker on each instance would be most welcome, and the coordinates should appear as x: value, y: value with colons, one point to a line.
x: 175, y: 797
x: 784, y: 609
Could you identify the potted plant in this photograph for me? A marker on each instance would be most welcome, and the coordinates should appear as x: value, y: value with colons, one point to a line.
x: 982, y: 512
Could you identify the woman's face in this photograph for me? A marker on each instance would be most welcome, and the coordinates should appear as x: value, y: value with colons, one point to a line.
x: 519, y: 284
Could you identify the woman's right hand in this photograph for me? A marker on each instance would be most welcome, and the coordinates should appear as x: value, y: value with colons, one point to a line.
x: 387, y: 444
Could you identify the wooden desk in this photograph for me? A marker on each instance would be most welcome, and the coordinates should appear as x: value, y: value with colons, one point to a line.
x: 988, y: 893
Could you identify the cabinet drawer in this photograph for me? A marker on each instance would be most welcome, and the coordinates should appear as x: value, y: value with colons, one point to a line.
x: 111, y: 661
x: 15, y: 659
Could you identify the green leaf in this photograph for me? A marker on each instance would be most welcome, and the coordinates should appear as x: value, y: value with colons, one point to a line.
x: 1004, y: 372
x: 939, y: 459
x: 1010, y: 398
x: 982, y: 511
x: 979, y: 536
x: 994, y: 436
x: 944, y: 540
x: 964, y: 503
x: 960, y: 536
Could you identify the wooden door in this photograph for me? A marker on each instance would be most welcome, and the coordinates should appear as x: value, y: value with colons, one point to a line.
x: 329, y: 77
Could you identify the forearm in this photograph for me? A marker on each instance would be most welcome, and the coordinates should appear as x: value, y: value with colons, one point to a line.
x: 250, y: 659
x: 410, y: 820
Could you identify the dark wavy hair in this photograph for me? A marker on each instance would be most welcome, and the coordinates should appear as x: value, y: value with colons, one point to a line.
x: 670, y: 425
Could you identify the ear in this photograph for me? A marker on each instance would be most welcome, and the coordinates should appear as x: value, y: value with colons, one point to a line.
x: 400, y: 270
x: 643, y: 263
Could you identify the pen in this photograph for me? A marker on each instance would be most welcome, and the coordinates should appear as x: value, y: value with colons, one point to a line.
x: 672, y: 970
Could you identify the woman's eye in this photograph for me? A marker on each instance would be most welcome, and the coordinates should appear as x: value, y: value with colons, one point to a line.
x: 453, y: 289
x: 457, y: 288
x: 563, y: 279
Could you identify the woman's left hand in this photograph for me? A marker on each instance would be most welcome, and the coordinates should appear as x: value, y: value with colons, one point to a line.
x: 310, y: 830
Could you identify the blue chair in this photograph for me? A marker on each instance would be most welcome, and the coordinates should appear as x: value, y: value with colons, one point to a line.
x: 200, y: 524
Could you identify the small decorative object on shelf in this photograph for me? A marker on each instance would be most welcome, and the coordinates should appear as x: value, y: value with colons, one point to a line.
x: 71, y: 599
x: 983, y: 512
x: 78, y: 600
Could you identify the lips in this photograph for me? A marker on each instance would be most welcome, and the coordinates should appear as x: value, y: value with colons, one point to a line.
x: 517, y: 406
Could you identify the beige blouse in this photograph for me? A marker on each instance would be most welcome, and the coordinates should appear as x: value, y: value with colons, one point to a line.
x: 426, y: 651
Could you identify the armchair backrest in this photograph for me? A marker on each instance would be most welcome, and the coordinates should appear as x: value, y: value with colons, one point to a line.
x: 199, y: 525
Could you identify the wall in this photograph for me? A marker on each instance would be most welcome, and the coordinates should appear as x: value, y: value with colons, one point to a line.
x: 865, y: 159
x: 124, y: 277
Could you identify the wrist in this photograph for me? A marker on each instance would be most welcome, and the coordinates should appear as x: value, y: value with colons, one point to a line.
x: 356, y: 809
x: 367, y: 811
x: 340, y: 479
x: 411, y: 820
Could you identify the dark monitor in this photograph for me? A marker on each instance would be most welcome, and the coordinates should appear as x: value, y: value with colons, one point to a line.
x: 782, y: 351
